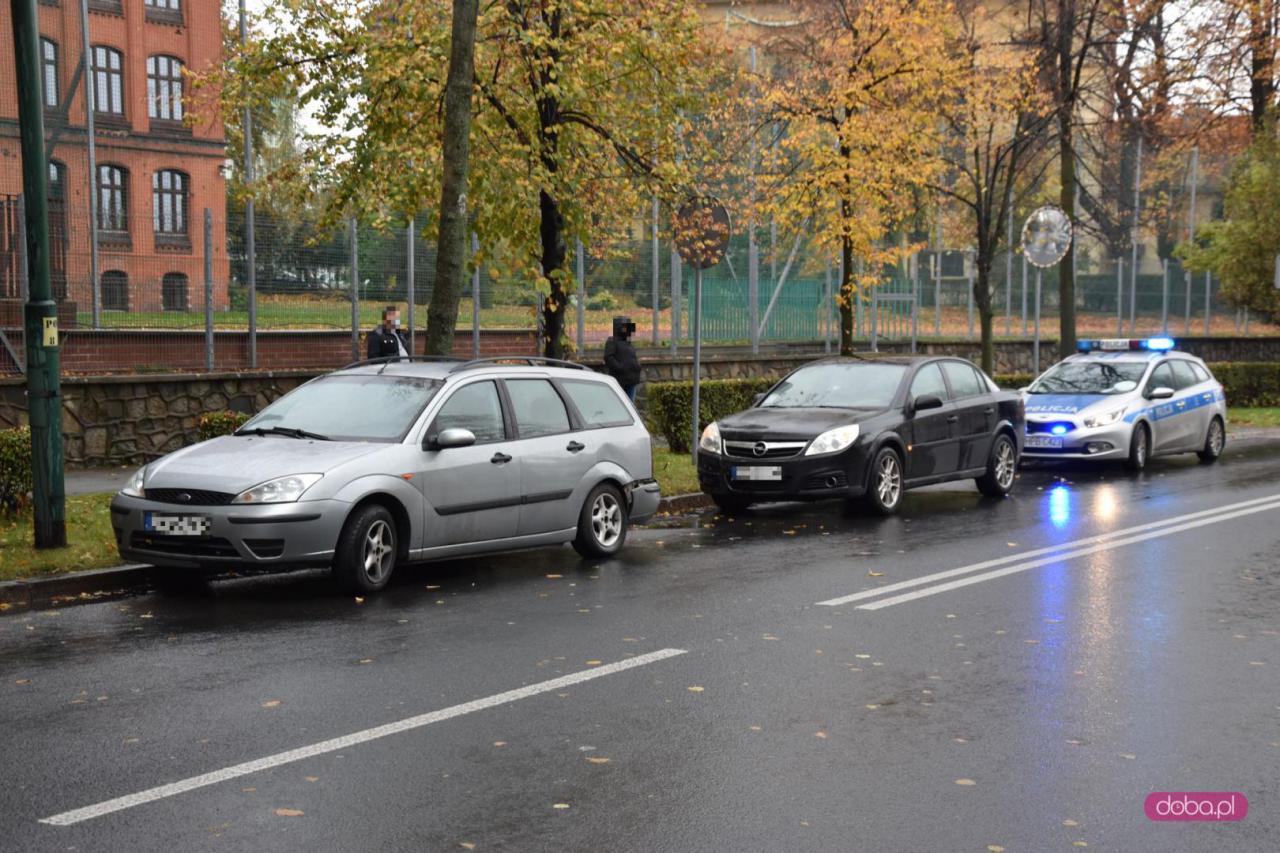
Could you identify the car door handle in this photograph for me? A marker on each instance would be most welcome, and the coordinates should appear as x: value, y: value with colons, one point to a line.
x: 575, y: 446
x: 953, y: 419
x: 500, y: 458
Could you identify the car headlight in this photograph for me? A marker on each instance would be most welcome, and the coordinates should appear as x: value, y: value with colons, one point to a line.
x: 133, y: 488
x: 711, y: 441
x: 1104, y: 420
x: 833, y: 440
x: 278, y: 491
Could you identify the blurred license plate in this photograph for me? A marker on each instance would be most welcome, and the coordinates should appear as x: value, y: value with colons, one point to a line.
x: 1043, y: 441
x: 756, y: 472
x: 176, y: 525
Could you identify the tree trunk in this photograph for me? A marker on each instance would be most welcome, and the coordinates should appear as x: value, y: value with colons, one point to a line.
x: 847, y: 294
x: 451, y: 247
x: 1066, y: 172
x: 553, y: 252
x: 1262, y: 86
x: 982, y: 297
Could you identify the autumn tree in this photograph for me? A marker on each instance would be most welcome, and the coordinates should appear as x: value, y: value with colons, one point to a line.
x: 993, y: 143
x: 855, y: 99
x: 577, y: 106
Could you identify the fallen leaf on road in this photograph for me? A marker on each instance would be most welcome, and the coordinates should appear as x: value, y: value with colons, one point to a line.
x: 146, y: 616
x: 554, y: 577
x: 785, y: 532
x: 822, y: 735
x: 870, y: 573
x: 1010, y: 544
x: 593, y: 663
x: 1069, y: 822
x: 312, y: 778
x: 859, y: 657
x: 271, y: 703
x: 768, y: 637
x: 560, y: 805
x: 248, y: 790
x: 1031, y: 642
x: 499, y: 743
x: 597, y: 760
x: 1075, y: 742
x: 290, y: 812
x: 696, y: 689
x: 466, y: 845
x: 359, y: 599
x: 995, y: 848
x: 965, y: 782
x: 366, y: 660
x: 960, y: 740
x: 23, y: 681
x: 433, y: 586
x: 1128, y: 755
x: 1079, y: 843
x: 755, y: 728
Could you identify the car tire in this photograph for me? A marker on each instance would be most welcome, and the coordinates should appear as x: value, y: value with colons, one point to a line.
x: 884, y: 482
x: 1139, y: 448
x: 731, y: 503
x: 1214, y: 440
x: 602, y: 523
x: 1002, y: 467
x: 367, y: 550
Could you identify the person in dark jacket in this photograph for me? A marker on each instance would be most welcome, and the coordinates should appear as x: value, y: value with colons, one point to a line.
x: 620, y: 356
x: 388, y: 339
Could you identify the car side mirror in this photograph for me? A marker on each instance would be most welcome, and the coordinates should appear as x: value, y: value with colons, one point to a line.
x: 1024, y: 389
x: 454, y: 437
x: 927, y: 401
x: 1164, y: 392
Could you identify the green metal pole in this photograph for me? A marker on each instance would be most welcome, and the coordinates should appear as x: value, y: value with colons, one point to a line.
x: 41, y: 313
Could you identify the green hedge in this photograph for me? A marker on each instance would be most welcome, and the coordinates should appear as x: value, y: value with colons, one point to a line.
x: 1249, y: 384
x: 215, y: 424
x: 670, y: 403
x: 15, y: 468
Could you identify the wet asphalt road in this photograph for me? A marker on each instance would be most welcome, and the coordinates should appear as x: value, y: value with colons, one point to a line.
x: 1032, y: 711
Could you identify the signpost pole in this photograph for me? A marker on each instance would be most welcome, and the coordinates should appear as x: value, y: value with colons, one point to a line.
x: 40, y: 314
x: 1035, y: 350
x: 1119, y: 297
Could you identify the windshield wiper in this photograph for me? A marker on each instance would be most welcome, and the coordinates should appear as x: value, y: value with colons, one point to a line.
x: 280, y: 430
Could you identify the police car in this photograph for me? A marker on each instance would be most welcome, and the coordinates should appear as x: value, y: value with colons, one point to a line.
x: 1125, y: 399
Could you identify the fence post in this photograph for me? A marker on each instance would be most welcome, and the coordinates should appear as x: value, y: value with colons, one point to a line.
x: 657, y: 255
x: 825, y: 317
x: 875, y: 321
x: 937, y: 287
x: 1024, y: 296
x: 409, y: 277
x: 753, y: 288
x: 581, y: 264
x: 251, y: 254
x: 968, y: 274
x: 475, y: 297
x: 856, y: 293
x: 1164, y: 296
x: 208, y: 290
x: 355, y: 294
x: 1119, y: 297
x: 915, y: 299
x: 675, y: 300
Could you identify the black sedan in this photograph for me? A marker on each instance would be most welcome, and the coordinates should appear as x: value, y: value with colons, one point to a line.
x: 865, y: 428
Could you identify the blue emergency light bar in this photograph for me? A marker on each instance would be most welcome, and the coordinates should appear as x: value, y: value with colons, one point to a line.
x: 1125, y: 345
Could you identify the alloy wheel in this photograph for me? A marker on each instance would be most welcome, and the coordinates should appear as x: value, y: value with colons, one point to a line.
x: 1005, y: 464
x: 889, y: 480
x: 1216, y: 437
x: 379, y: 551
x: 606, y: 519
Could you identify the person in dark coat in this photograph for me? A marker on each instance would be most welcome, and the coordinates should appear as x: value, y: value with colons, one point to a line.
x: 620, y: 356
x: 388, y: 339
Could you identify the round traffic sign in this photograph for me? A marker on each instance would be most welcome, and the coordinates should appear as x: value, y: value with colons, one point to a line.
x: 1046, y: 236
x: 702, y: 232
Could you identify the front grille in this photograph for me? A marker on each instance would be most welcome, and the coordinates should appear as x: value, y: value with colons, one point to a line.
x: 1041, y: 427
x: 185, y: 546
x: 772, y: 449
x: 189, y: 497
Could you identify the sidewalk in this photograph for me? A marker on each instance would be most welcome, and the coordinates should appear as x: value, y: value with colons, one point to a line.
x: 84, y: 481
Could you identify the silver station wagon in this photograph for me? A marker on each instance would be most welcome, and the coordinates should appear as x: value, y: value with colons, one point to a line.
x: 399, y: 460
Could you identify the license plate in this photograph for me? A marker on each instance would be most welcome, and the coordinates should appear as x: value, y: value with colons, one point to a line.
x: 1052, y: 441
x: 176, y: 525
x: 756, y: 472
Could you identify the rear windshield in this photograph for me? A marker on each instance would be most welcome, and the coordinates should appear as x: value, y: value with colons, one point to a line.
x: 351, y: 407
x: 838, y: 386
x: 1091, y: 377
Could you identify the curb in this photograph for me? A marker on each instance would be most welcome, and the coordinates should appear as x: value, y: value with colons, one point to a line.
x: 91, y: 584
x: 684, y: 503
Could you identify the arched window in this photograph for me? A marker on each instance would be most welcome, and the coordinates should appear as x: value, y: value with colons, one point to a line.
x: 164, y: 88
x: 113, y: 199
x: 169, y: 202
x: 49, y: 72
x: 108, y: 80
x: 115, y: 291
x: 173, y: 292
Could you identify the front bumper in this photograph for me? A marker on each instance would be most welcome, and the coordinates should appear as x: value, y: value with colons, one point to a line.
x: 645, y: 495
x: 837, y: 475
x: 1085, y: 443
x: 285, y: 536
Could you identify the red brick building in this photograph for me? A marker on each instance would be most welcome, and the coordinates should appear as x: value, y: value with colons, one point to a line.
x: 157, y: 170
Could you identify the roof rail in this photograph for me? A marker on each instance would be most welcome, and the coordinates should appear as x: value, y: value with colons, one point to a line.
x: 388, y: 359
x: 531, y: 360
